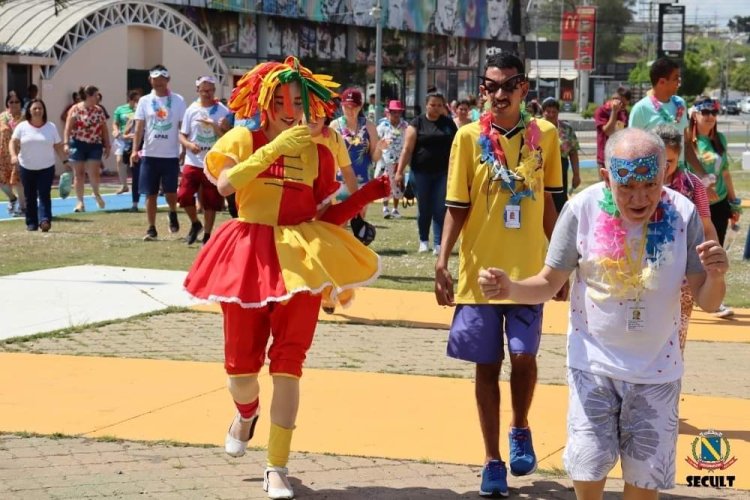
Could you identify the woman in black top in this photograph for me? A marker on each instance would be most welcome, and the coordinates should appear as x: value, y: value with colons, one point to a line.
x: 427, y: 147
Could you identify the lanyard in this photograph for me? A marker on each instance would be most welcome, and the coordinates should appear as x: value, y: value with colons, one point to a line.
x: 636, y: 267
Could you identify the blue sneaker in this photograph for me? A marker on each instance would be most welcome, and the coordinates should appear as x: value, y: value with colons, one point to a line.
x: 494, y: 480
x: 522, y: 457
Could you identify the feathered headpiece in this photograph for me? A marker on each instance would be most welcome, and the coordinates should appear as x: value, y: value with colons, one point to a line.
x: 255, y: 90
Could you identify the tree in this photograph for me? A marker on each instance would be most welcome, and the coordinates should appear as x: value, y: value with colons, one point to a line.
x: 694, y: 76
x: 739, y: 24
x: 639, y: 74
x: 739, y: 79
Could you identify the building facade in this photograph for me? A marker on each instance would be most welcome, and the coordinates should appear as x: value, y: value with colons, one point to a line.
x: 426, y: 43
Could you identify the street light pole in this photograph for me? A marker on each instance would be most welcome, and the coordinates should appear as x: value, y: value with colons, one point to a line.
x: 377, y: 12
x: 558, y: 89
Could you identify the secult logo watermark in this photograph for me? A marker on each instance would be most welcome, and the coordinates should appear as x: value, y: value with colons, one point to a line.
x: 711, y: 452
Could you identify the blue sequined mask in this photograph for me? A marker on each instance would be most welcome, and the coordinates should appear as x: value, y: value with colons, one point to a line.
x: 638, y: 169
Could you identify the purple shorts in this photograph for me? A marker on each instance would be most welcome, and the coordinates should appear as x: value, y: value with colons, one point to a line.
x: 477, y: 331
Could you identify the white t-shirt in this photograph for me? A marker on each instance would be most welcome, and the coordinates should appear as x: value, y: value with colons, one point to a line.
x: 602, y: 336
x: 199, y: 133
x: 37, y: 145
x: 162, y: 116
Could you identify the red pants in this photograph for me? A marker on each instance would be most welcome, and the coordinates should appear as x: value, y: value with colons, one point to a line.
x: 246, y: 331
x: 194, y: 180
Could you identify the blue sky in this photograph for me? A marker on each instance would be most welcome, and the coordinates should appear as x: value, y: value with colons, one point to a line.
x: 722, y: 9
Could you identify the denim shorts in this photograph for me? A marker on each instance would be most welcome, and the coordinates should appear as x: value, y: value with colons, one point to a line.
x: 158, y: 173
x: 84, y: 151
x: 477, y: 330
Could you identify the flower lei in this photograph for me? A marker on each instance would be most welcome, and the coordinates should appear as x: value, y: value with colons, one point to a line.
x: 659, y: 108
x: 351, y: 138
x: 161, y: 112
x: 610, y: 247
x: 494, y: 157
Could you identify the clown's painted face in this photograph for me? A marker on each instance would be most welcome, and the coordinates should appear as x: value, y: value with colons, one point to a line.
x: 286, y: 109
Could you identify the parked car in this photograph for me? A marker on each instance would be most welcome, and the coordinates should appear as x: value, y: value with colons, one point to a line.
x: 730, y: 107
x: 745, y: 104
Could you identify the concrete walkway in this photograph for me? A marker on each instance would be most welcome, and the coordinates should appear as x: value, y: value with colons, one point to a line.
x: 362, y: 433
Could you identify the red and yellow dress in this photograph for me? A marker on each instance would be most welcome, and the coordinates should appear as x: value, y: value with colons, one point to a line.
x: 276, y: 248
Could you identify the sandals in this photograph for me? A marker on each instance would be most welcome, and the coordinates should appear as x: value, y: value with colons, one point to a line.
x: 236, y: 447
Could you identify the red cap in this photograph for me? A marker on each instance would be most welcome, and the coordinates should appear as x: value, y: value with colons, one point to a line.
x: 351, y: 97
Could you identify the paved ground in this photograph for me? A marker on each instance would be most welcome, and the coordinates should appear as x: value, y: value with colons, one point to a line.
x: 195, y: 336
x: 63, y: 467
x: 55, y: 466
x: 39, y: 467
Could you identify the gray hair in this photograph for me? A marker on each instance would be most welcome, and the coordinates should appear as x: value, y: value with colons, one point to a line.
x: 634, y: 143
x: 670, y: 135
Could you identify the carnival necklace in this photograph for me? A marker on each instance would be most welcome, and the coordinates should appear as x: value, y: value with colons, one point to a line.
x: 494, y: 156
x: 663, y: 113
x: 623, y: 275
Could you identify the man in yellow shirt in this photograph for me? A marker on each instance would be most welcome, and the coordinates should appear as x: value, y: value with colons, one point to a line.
x: 502, y: 173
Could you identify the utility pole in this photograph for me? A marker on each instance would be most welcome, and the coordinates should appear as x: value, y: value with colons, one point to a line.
x: 377, y: 15
x: 558, y: 89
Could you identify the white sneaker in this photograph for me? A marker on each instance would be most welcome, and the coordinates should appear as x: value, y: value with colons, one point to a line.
x: 724, y: 312
x: 395, y: 214
x: 423, y: 247
x: 436, y: 250
x: 12, y: 207
x: 386, y: 213
x: 285, y: 492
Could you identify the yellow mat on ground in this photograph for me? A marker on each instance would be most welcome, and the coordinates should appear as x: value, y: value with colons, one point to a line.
x: 410, y: 308
x: 348, y: 413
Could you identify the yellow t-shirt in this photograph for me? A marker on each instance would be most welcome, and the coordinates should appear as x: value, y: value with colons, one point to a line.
x: 335, y: 143
x: 485, y: 241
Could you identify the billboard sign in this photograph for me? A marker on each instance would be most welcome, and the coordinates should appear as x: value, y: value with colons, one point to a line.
x: 671, y: 34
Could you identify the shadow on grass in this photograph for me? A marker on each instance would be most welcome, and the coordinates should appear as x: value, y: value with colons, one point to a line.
x: 392, y: 252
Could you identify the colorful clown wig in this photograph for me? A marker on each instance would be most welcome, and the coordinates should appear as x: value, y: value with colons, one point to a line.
x: 255, y: 90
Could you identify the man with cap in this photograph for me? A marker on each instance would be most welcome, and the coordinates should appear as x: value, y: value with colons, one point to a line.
x: 631, y: 242
x: 157, y: 123
x: 200, y: 130
x: 391, y: 130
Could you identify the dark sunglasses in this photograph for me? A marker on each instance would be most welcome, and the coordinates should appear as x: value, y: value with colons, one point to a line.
x: 508, y: 85
x: 712, y: 112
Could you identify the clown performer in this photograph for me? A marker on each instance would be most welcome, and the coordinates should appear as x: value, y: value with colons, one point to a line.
x: 631, y: 242
x: 270, y: 267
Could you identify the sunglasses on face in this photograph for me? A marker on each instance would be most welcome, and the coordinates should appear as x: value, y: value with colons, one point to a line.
x: 707, y: 112
x: 508, y: 85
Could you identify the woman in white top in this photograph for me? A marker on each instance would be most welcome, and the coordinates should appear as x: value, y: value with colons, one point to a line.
x: 32, y: 147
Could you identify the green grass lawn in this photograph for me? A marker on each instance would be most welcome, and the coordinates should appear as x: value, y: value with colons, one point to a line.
x: 114, y: 238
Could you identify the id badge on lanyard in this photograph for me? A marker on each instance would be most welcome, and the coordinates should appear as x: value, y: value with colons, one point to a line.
x: 635, y: 317
x: 512, y: 216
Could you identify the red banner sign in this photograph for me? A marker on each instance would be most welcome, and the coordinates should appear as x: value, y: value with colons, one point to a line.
x: 586, y: 28
x: 569, y: 26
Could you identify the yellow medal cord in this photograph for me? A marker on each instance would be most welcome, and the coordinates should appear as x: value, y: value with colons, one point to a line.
x: 634, y: 271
